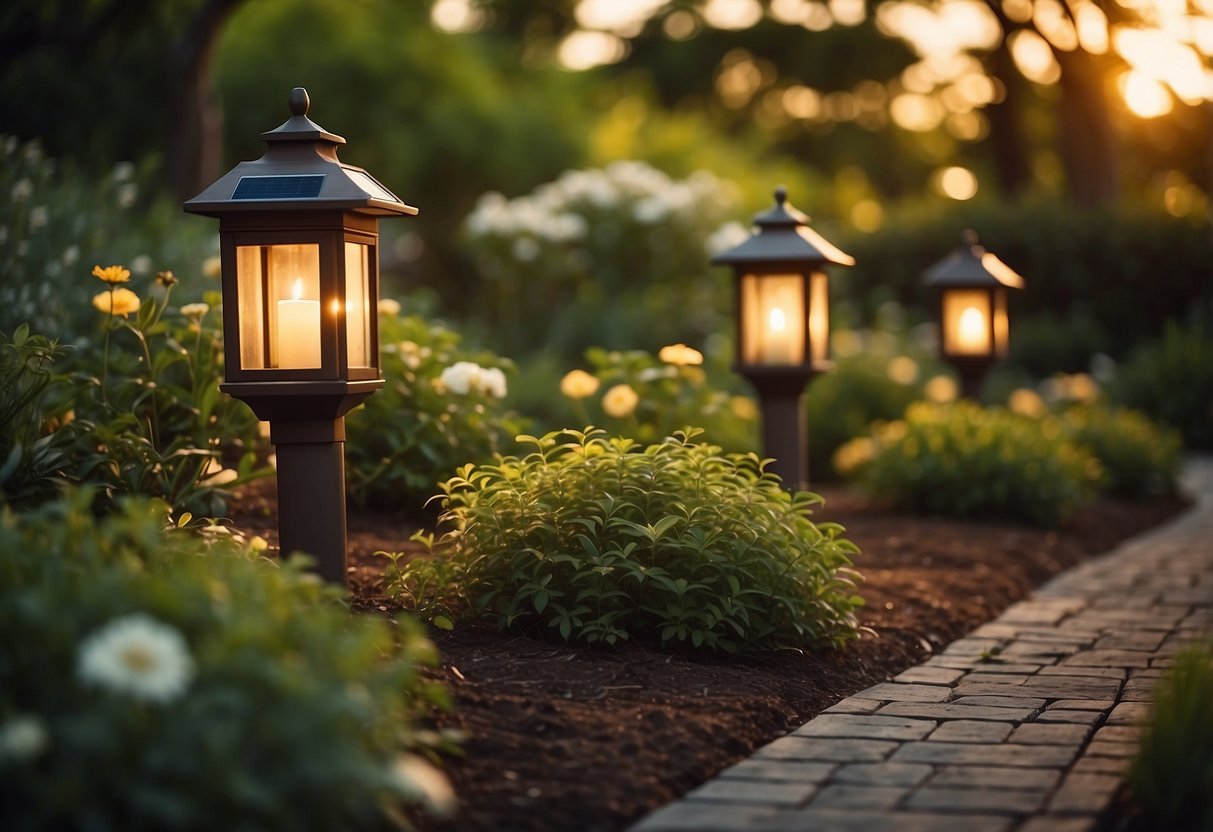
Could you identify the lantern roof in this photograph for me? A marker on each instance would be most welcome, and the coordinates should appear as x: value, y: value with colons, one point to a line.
x: 300, y: 171
x: 971, y: 266
x: 783, y: 236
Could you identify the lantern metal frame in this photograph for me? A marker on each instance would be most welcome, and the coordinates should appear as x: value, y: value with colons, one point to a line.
x: 783, y: 246
x: 300, y: 193
x: 971, y: 269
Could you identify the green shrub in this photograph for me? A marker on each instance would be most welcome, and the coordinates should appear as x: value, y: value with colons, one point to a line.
x: 1138, y: 458
x: 440, y: 408
x: 1171, y: 380
x: 966, y: 461
x: 1172, y: 775
x: 32, y: 442
x: 150, y: 680
x: 603, y: 540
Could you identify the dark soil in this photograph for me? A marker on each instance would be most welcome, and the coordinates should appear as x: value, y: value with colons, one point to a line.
x: 564, y: 738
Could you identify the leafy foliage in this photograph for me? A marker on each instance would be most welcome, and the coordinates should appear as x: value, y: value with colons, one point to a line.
x: 966, y: 461
x: 603, y: 540
x: 418, y: 430
x: 1172, y: 380
x: 31, y: 440
x: 1172, y: 775
x: 1138, y: 458
x: 294, y: 714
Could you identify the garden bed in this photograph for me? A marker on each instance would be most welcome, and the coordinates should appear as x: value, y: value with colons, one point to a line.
x: 563, y: 738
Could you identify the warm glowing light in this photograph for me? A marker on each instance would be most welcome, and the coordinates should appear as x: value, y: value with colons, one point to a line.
x: 817, y: 17
x: 1019, y: 11
x: 1144, y: 96
x: 917, y: 112
x: 971, y: 331
x: 1092, y: 26
x: 624, y: 17
x: 335, y: 306
x: 848, y: 12
x: 456, y: 16
x: 789, y: 12
x: 1053, y: 21
x: 1034, y: 57
x: 867, y: 215
x: 679, y: 25
x: 732, y: 14
x: 585, y: 50
x: 957, y: 183
x: 968, y: 127
x: 802, y: 102
x: 1159, y: 55
x: 297, y: 289
x: 778, y: 322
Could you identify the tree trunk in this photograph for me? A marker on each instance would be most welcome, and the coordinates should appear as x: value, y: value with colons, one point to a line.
x: 1006, y: 132
x: 196, y: 120
x: 1088, y: 138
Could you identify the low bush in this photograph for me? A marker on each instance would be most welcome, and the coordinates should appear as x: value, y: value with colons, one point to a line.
x: 441, y: 407
x: 1138, y: 458
x: 1171, y: 380
x: 32, y: 443
x: 1171, y: 777
x: 603, y: 540
x: 156, y: 679
x: 966, y: 461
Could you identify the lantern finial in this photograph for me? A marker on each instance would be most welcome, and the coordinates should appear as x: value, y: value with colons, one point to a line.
x: 299, y: 101
x: 781, y: 195
x: 968, y: 238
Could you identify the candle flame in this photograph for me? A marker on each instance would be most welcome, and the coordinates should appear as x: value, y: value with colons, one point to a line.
x: 777, y: 320
x: 297, y: 289
x: 972, y: 326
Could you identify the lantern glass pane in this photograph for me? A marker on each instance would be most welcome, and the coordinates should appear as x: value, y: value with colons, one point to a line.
x: 250, y: 289
x: 772, y: 319
x: 1002, y: 327
x: 358, y: 304
x: 293, y: 289
x: 966, y: 322
x: 819, y: 316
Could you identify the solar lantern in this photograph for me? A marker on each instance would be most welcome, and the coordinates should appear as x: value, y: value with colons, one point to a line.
x: 974, y: 326
x: 298, y: 235
x: 782, y: 307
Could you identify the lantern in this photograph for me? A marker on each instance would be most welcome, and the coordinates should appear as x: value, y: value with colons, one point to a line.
x: 782, y: 307
x: 298, y: 234
x: 974, y: 325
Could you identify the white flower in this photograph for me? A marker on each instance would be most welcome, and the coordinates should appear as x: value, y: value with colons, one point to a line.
x: 123, y: 171
x: 525, y: 249
x: 127, y: 194
x: 22, y: 190
x: 71, y: 255
x: 492, y: 382
x: 726, y: 237
x: 195, y: 310
x: 389, y: 307
x: 461, y: 377
x: 37, y: 217
x: 22, y: 738
x: 650, y: 210
x: 138, y: 656
x: 417, y: 780
x: 141, y: 265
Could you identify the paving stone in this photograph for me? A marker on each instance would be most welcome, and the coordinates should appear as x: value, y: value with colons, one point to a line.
x: 1000, y: 701
x: 1106, y: 748
x: 1118, y: 733
x: 949, y: 711
x: 1087, y: 794
x: 1052, y: 823
x: 813, y: 819
x: 1131, y: 641
x: 971, y: 730
x: 1044, y: 733
x: 1101, y: 765
x: 867, y: 726
x: 1108, y: 658
x: 851, y: 705
x: 948, y: 753
x: 1047, y: 687
x: 827, y: 750
x: 1064, y: 715
x: 883, y: 774
x: 930, y: 675
x: 890, y: 692
x: 1083, y: 704
x: 685, y: 816
x: 1024, y: 647
x: 973, y: 646
x: 1139, y: 690
x: 843, y: 796
x: 1000, y: 777
x: 1041, y: 611
x: 1008, y: 801
x: 1075, y: 670
x: 994, y: 666
x: 979, y: 677
x: 1129, y: 713
x: 748, y: 791
x: 790, y: 771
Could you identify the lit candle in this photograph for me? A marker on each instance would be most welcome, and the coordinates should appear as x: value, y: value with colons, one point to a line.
x: 971, y: 333
x: 298, y: 331
x: 779, y: 348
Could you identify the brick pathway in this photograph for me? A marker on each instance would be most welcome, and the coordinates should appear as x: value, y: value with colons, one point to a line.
x: 1026, y: 724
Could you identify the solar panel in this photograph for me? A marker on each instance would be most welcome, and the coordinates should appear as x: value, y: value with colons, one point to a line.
x: 278, y: 187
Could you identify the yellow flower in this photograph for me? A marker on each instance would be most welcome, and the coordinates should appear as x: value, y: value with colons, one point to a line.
x: 903, y: 370
x: 940, y: 389
x: 118, y: 302
x: 212, y: 267
x: 166, y: 278
x: 112, y: 274
x: 743, y: 407
x: 680, y: 355
x: 578, y: 384
x: 1027, y: 403
x: 854, y: 455
x: 1081, y: 388
x: 620, y: 401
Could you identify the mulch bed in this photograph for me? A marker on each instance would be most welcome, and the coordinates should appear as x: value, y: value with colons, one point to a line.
x: 562, y: 738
